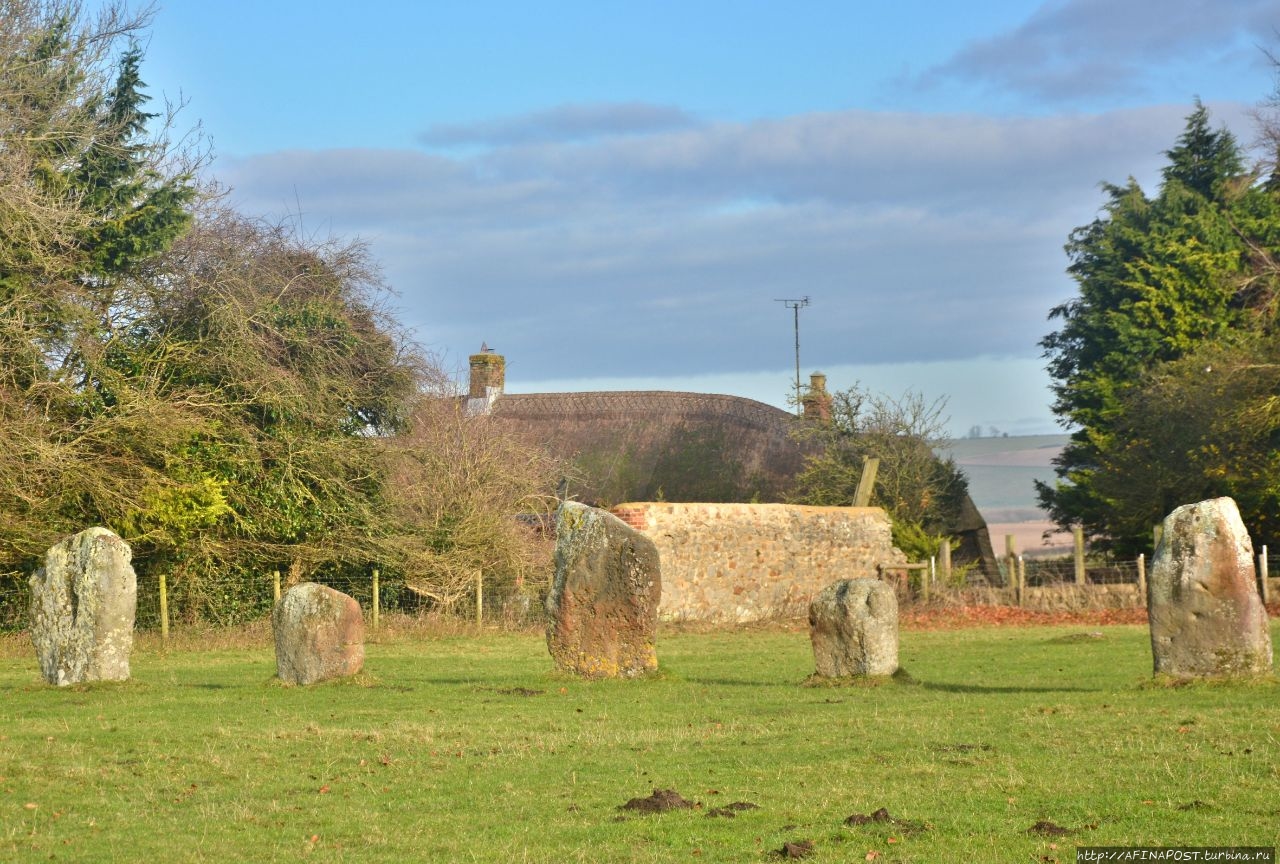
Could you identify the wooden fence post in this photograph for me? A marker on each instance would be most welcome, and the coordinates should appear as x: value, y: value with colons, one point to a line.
x: 479, y: 598
x: 1142, y: 579
x: 944, y: 554
x: 1262, y: 576
x: 867, y: 482
x: 275, y: 585
x: 1077, y: 540
x: 377, y: 602
x: 1011, y: 555
x: 1022, y: 581
x: 164, y: 611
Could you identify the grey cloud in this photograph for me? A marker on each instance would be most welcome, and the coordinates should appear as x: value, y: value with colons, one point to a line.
x: 1070, y: 50
x: 561, y: 124
x: 862, y: 158
x: 918, y: 237
x: 850, y: 159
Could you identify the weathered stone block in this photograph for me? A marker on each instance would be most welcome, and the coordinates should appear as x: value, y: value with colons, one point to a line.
x: 319, y: 634
x: 83, y: 602
x: 603, y: 604
x: 853, y: 625
x: 1207, y: 619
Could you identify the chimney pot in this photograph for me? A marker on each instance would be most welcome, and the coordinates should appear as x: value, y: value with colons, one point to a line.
x: 817, y: 402
x: 488, y: 373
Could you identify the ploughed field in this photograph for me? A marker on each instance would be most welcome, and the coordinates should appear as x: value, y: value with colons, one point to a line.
x: 1002, y: 475
x: 1001, y: 744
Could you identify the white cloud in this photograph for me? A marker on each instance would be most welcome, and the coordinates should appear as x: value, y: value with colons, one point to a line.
x: 919, y: 237
x: 560, y: 124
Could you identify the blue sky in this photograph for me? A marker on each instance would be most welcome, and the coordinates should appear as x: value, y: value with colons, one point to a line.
x: 614, y: 194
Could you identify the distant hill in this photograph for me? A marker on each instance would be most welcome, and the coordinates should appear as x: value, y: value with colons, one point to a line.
x: 1002, y: 472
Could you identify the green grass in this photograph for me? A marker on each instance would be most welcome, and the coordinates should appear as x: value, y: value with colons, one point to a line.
x: 471, y: 749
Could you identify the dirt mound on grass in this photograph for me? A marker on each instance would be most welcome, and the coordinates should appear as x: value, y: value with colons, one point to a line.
x: 795, y: 849
x: 660, y: 801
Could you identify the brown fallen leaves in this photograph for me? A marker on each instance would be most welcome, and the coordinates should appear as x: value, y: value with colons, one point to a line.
x: 957, y: 617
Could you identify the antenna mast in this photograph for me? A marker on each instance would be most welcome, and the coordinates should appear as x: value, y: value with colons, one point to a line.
x: 795, y: 306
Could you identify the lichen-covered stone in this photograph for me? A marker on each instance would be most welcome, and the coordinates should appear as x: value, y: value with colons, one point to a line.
x: 83, y: 602
x: 319, y: 634
x: 1207, y: 619
x: 603, y: 604
x: 853, y: 625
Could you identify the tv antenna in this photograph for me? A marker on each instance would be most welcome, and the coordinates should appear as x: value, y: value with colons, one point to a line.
x: 795, y: 306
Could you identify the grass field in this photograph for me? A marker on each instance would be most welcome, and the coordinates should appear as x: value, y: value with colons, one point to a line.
x: 468, y: 748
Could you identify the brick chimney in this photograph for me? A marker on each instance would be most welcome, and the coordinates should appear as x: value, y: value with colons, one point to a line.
x: 488, y: 374
x: 817, y: 402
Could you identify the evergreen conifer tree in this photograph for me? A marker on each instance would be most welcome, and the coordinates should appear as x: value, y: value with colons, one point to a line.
x: 1159, y: 278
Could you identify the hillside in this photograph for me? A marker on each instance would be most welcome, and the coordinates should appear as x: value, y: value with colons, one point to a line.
x: 1002, y: 474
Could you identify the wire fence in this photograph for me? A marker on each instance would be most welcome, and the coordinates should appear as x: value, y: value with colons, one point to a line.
x: 231, y: 601
x: 234, y: 600
x: 1043, y: 572
x: 1073, y: 583
x: 1062, y: 571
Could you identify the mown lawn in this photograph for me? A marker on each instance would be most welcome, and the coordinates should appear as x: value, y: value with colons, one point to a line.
x: 468, y: 748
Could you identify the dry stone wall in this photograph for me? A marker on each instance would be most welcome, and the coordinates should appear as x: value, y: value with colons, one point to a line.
x: 748, y: 562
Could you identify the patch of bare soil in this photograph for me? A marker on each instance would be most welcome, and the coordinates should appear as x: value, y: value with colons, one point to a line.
x: 1046, y: 828
x: 882, y: 817
x: 1072, y: 638
x: 731, y: 811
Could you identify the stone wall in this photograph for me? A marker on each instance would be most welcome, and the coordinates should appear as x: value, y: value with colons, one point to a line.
x: 748, y: 562
x: 1058, y: 598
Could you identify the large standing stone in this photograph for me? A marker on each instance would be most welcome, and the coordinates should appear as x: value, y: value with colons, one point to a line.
x: 319, y: 634
x: 83, y: 602
x: 853, y: 625
x: 603, y: 605
x: 1206, y: 617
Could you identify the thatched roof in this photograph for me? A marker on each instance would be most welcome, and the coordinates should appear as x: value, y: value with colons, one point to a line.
x: 649, y: 445
x: 642, y: 445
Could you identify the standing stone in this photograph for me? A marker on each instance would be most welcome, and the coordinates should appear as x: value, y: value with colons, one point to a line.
x: 603, y: 605
x: 319, y: 634
x: 83, y: 602
x: 853, y: 625
x: 1206, y: 617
